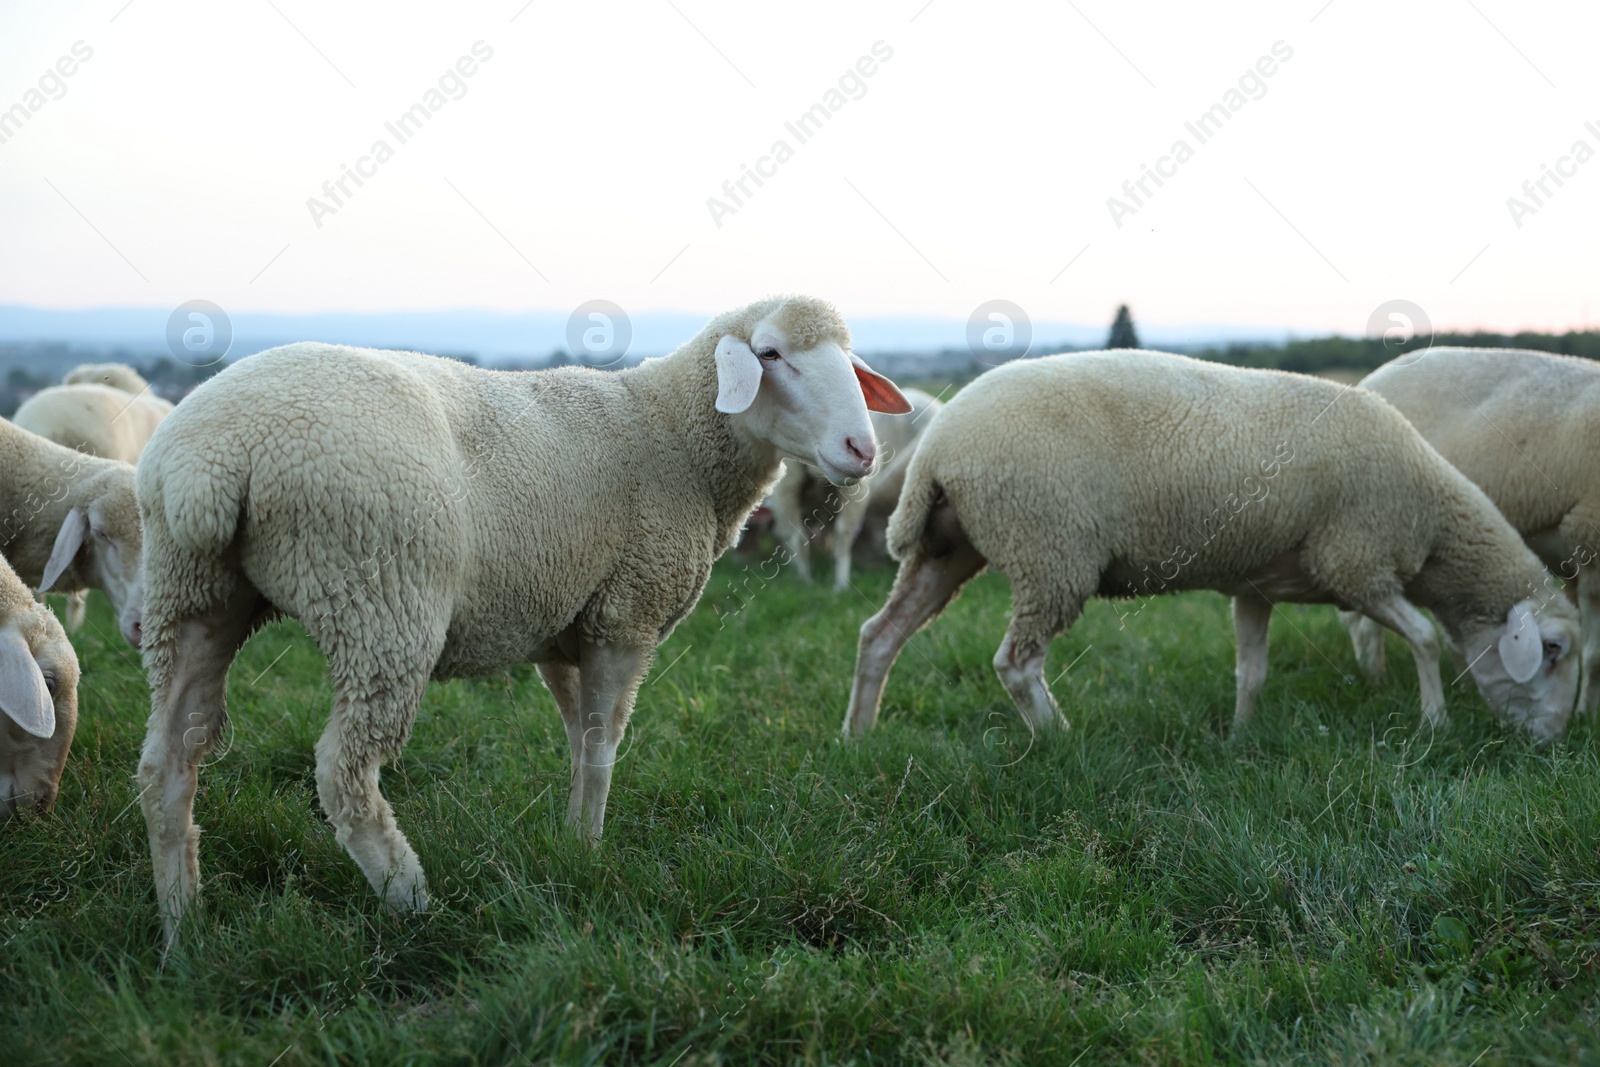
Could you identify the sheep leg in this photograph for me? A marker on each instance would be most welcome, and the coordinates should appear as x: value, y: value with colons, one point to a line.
x: 1367, y: 638
x: 370, y: 722
x: 846, y: 528
x: 1251, y: 616
x: 188, y: 681
x: 1020, y: 664
x: 1588, y: 584
x: 923, y: 587
x: 1399, y: 615
x: 786, y: 503
x: 562, y: 681
x: 609, y: 677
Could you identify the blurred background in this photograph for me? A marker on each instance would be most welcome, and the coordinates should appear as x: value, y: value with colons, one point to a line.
x: 1303, y: 184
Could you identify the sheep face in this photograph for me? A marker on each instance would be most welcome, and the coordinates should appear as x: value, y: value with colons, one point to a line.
x: 99, y: 544
x: 39, y: 698
x: 1527, y: 667
x: 807, y: 402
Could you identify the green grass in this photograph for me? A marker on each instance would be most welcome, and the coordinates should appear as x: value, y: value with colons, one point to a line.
x: 1340, y: 887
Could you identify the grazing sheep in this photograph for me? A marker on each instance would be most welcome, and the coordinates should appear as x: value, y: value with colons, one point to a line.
x: 848, y: 507
x: 39, y: 696
x: 1520, y: 425
x: 424, y: 518
x: 70, y: 522
x: 116, y: 375
x: 1125, y: 473
x: 96, y: 419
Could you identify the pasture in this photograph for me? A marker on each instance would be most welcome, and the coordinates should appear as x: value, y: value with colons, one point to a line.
x: 1340, y: 887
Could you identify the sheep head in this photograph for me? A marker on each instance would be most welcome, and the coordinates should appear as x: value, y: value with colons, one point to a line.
x: 38, y: 701
x: 786, y: 373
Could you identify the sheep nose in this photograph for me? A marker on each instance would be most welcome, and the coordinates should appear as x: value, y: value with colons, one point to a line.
x: 136, y: 634
x: 865, y: 451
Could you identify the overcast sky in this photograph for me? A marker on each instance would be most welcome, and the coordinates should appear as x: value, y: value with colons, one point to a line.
x: 975, y: 161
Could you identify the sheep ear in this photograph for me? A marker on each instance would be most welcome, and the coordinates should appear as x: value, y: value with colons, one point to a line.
x: 882, y: 394
x: 23, y: 695
x: 738, y: 375
x: 1521, y: 648
x: 68, y: 540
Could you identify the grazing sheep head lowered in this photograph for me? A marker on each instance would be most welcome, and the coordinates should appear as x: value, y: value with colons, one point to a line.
x: 39, y: 699
x: 99, y: 545
x: 1525, y: 668
x: 790, y: 379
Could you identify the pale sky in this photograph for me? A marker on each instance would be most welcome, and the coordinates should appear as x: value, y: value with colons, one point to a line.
x: 974, y: 163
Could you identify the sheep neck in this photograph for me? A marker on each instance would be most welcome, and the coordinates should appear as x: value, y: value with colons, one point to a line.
x: 735, y: 468
x: 1465, y: 578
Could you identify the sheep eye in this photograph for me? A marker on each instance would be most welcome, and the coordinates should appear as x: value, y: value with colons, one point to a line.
x: 768, y: 354
x: 99, y: 534
x: 1553, y: 649
x: 51, y: 683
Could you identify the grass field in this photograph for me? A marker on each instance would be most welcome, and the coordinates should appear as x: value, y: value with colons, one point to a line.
x: 1339, y: 887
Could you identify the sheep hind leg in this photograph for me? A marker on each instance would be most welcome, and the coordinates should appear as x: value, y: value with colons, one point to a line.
x: 1251, y: 618
x: 1399, y: 615
x: 189, y: 663
x: 372, y: 717
x: 923, y: 587
x: 609, y: 676
x: 1366, y: 636
x: 1020, y: 664
x: 563, y: 682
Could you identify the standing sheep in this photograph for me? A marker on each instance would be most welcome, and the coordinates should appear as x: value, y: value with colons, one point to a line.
x: 1521, y: 425
x: 39, y: 696
x: 424, y: 518
x: 1129, y: 473
x: 70, y: 522
x: 848, y: 507
x: 116, y: 375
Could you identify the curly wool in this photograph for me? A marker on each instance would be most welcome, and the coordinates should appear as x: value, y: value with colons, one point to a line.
x: 395, y: 503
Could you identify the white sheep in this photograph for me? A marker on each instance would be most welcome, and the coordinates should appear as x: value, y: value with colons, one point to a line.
x: 96, y: 419
x: 70, y: 522
x: 1522, y: 426
x: 116, y: 375
x: 847, y: 507
x: 424, y: 518
x: 1130, y: 473
x: 38, y: 696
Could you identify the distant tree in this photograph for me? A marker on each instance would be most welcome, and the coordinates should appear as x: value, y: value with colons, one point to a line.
x: 1122, y: 332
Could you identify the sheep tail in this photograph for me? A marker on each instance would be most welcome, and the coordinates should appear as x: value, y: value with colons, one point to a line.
x: 200, y: 497
x: 910, y: 519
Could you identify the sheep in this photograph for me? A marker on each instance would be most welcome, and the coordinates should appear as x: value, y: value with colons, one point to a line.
x: 848, y: 508
x: 39, y: 696
x: 116, y: 375
x: 424, y: 518
x: 70, y: 522
x: 97, y: 419
x: 1125, y: 473
x: 1518, y: 424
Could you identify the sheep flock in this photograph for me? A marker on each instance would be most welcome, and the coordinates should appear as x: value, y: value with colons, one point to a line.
x: 424, y: 519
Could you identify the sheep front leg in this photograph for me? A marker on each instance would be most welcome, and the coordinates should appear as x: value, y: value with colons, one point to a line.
x: 846, y: 528
x: 188, y: 665
x: 608, y: 679
x: 1589, y: 620
x: 1251, y: 617
x: 562, y: 681
x: 1399, y: 615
